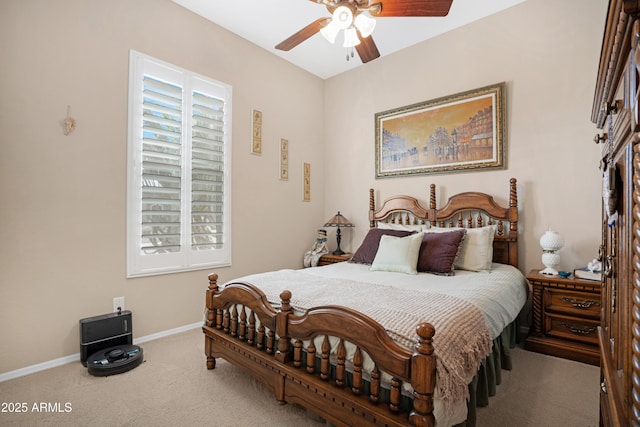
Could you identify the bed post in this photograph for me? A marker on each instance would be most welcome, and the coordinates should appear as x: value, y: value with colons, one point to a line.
x: 211, y: 320
x: 513, y: 202
x: 372, y: 207
x: 432, y: 196
x: 423, y: 366
x: 512, y: 245
x: 284, y: 354
x: 213, y: 289
x: 432, y: 203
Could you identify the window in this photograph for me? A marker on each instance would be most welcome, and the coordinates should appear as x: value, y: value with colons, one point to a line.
x: 179, y: 152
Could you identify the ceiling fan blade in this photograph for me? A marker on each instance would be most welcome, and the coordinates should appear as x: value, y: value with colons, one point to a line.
x: 367, y: 49
x: 411, y: 8
x: 303, y: 34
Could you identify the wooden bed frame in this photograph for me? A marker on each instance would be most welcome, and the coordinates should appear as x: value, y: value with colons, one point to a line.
x: 245, y: 329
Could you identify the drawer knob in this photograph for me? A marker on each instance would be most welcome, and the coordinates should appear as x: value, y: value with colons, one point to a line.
x: 603, y: 386
x: 579, y: 330
x: 600, y: 138
x: 580, y: 303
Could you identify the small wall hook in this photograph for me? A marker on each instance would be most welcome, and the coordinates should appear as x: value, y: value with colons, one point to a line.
x: 69, y: 122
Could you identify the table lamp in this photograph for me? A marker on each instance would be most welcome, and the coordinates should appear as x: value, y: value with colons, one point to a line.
x: 338, y: 220
x: 551, y: 242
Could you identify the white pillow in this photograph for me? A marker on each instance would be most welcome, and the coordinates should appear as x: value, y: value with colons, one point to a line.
x: 476, y: 250
x: 399, y: 254
x: 392, y: 226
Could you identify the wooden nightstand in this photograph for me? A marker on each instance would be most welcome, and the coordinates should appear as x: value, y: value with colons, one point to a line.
x: 566, y: 316
x: 327, y: 259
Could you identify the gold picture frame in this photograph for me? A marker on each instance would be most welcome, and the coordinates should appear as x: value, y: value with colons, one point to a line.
x: 256, y: 132
x: 459, y: 132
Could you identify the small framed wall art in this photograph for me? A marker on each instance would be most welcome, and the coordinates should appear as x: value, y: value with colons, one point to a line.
x: 256, y: 132
x: 306, y: 182
x: 284, y: 159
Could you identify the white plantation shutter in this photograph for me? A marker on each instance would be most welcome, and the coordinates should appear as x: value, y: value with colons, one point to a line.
x: 207, y: 172
x: 178, y: 207
x: 161, y: 167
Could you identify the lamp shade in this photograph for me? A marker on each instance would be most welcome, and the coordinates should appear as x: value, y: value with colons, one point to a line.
x: 351, y: 37
x: 343, y: 17
x: 365, y: 25
x: 330, y: 32
x: 338, y: 220
x: 551, y: 241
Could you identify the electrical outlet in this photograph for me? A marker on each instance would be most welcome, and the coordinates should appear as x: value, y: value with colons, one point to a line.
x: 118, y: 302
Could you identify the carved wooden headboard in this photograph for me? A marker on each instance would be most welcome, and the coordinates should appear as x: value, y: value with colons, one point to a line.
x: 464, y: 210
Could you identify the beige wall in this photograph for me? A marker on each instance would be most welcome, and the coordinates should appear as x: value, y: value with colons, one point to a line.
x: 547, y: 52
x: 62, y: 215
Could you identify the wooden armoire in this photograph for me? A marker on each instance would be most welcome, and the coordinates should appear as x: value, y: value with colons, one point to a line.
x: 617, y: 113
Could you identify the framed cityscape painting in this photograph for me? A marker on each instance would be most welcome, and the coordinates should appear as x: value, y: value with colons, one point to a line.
x: 459, y: 132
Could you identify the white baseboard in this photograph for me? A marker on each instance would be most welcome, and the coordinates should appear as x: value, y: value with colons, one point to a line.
x: 168, y: 332
x: 76, y: 357
x: 39, y: 367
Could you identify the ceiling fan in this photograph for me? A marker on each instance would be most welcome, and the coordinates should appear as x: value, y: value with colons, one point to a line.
x: 349, y: 16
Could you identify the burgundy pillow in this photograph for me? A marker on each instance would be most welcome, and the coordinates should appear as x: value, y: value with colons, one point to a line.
x: 438, y: 252
x: 369, y: 247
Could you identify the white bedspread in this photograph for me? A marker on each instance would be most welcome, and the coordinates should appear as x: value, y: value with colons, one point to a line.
x: 499, y: 295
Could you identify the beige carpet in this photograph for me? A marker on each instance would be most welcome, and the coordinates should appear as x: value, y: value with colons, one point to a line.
x: 173, y: 388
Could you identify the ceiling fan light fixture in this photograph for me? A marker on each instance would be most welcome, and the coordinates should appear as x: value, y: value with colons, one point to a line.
x: 343, y: 17
x: 351, y: 37
x: 330, y: 32
x: 365, y: 25
x: 347, y: 15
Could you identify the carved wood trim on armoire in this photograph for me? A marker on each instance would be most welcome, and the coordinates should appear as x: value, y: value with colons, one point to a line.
x: 617, y: 113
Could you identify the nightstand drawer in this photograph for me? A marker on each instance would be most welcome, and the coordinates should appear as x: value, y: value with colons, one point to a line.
x: 572, y: 328
x: 574, y: 303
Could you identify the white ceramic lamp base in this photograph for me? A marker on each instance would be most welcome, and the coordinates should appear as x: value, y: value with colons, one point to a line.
x: 551, y: 242
x: 551, y: 260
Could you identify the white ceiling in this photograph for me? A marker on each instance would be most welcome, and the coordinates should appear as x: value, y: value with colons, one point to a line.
x: 268, y: 22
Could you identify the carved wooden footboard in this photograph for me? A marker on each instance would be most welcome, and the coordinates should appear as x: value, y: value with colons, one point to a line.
x: 277, y: 347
